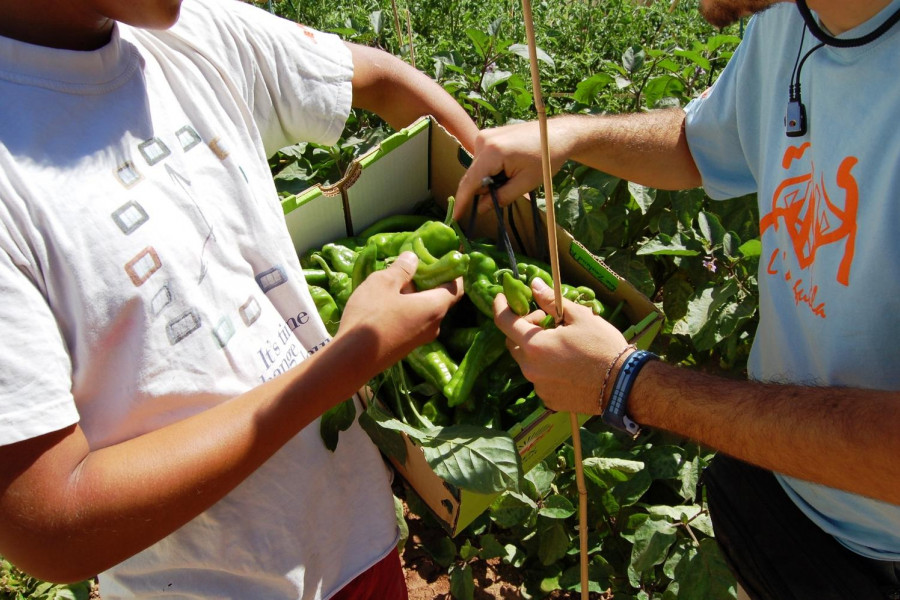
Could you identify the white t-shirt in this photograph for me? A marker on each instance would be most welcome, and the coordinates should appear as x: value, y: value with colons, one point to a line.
x: 146, y: 274
x: 829, y: 211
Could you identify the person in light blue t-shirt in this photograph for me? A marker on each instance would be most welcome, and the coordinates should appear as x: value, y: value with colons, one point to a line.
x: 803, y: 117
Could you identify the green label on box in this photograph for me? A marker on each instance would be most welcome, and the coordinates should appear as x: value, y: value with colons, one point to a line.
x: 593, y: 266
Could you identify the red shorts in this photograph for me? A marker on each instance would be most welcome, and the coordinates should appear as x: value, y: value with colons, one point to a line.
x: 382, y: 581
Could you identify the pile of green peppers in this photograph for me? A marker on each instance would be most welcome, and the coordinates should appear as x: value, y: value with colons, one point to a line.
x: 467, y: 375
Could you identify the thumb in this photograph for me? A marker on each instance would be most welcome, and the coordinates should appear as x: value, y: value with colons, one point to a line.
x: 404, y: 267
x: 544, y: 295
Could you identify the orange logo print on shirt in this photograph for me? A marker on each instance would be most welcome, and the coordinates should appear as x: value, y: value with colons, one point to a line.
x: 814, y: 215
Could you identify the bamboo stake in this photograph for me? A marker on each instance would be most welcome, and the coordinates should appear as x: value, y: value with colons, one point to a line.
x: 557, y: 287
x: 409, y: 35
x: 397, y: 23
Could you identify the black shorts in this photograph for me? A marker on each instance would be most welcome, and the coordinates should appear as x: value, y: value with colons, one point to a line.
x: 775, y: 551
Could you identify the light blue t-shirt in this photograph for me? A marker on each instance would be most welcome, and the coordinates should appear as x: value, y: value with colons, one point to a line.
x: 829, y: 205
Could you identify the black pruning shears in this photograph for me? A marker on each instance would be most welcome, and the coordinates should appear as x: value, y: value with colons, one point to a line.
x: 493, y: 183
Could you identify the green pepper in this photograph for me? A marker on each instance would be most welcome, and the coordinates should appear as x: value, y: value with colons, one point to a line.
x: 341, y: 258
x: 437, y: 237
x: 339, y: 284
x: 434, y: 412
x: 417, y: 246
x: 388, y: 243
x: 518, y: 294
x: 489, y: 344
x: 432, y: 363
x: 479, y: 284
x: 447, y: 268
x: 327, y: 308
x: 364, y: 265
x: 393, y: 223
x: 580, y: 294
x: 459, y: 339
x: 315, y: 277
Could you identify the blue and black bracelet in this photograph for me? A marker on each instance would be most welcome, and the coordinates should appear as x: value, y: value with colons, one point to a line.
x: 614, y: 414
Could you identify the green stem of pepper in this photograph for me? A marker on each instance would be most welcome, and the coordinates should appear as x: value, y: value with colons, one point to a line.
x: 339, y: 284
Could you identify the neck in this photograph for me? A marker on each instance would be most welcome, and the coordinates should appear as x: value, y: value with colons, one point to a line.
x: 839, y: 16
x: 55, y: 25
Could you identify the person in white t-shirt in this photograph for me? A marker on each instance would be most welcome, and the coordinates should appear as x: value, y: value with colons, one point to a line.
x: 803, y: 116
x: 162, y: 365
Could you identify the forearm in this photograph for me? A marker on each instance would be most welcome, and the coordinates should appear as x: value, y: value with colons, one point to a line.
x: 400, y: 94
x: 817, y: 434
x: 121, y: 499
x: 649, y: 148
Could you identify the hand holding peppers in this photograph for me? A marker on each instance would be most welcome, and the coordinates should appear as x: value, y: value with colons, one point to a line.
x: 387, y: 315
x: 566, y: 363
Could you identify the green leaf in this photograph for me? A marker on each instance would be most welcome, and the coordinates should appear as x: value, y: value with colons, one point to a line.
x: 606, y: 472
x: 663, y: 461
x: 651, y: 544
x: 462, y: 583
x: 695, y: 57
x: 494, y: 78
x: 480, y: 40
x: 443, y: 551
x: 542, y: 477
x: 633, y: 59
x: 676, y: 295
x: 494, y: 27
x: 600, y: 576
x: 690, y: 478
x: 512, y: 509
x: 705, y: 575
x: 474, y: 458
x: 557, y: 507
x: 665, y: 245
x: 664, y: 86
x: 711, y: 228
x: 553, y: 540
x: 731, y: 244
x: 717, y: 41
x: 522, y: 50
x: 376, y: 20
x: 643, y: 196
x: 698, y: 314
x: 335, y: 420
x: 590, y: 88
x: 751, y: 248
x: 490, y: 547
x: 388, y: 440
x: 467, y: 552
x: 401, y: 524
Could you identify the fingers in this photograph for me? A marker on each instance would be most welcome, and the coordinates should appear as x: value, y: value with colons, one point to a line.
x: 404, y: 266
x: 544, y: 296
x: 517, y: 329
x: 471, y: 185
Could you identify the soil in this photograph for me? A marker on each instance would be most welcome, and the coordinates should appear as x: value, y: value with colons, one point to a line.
x: 494, y: 580
x: 427, y: 580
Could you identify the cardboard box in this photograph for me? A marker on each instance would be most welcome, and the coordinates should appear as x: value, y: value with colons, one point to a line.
x: 418, y: 163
